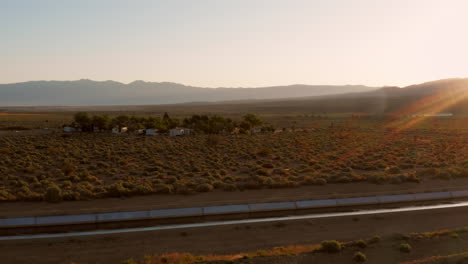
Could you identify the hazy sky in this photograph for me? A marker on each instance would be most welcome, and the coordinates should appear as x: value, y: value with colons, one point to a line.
x: 234, y: 43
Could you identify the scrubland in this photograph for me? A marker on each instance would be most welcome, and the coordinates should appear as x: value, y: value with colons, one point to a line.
x: 81, y: 166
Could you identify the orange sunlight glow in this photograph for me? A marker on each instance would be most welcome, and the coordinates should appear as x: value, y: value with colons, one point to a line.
x: 187, y: 258
x: 425, y: 108
x: 411, y: 115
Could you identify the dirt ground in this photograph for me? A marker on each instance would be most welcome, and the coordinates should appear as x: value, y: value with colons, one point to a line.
x: 385, y: 252
x: 234, y: 239
x: 26, y: 132
x: 20, y: 209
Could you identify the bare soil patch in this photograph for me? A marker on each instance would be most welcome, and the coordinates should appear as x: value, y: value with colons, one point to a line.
x: 20, y: 114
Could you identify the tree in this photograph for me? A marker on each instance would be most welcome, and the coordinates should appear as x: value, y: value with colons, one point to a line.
x: 169, y: 122
x: 121, y: 121
x: 166, y: 117
x: 83, y: 120
x: 252, y: 119
x: 101, y: 122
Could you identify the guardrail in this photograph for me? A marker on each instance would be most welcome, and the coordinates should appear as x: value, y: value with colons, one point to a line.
x: 224, y: 209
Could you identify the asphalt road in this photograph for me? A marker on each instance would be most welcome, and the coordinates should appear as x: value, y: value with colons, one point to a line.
x: 233, y: 222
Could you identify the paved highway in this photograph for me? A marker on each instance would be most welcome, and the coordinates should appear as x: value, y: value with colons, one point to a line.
x: 231, y: 222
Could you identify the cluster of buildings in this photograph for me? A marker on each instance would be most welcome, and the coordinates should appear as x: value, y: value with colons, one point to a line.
x: 178, y: 131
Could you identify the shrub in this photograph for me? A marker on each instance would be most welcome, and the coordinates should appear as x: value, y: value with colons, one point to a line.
x: 361, y: 243
x: 205, y: 187
x: 6, y: 196
x: 411, y: 177
x: 430, y: 172
x: 171, y: 180
x: 377, y: 179
x: 331, y: 246
x: 343, y: 179
x: 359, y: 257
x: 262, y: 172
x: 70, y: 196
x: 319, y: 181
x: 163, y: 188
x: 116, y: 190
x: 405, y: 247
x: 69, y: 166
x: 85, y: 189
x: 375, y: 239
x: 393, y: 170
x: 53, y: 193
x: 142, y: 189
x: 269, y: 182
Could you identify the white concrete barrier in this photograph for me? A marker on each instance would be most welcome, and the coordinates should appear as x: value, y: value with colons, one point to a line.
x: 65, y: 219
x: 20, y: 221
x: 119, y: 216
x: 357, y: 201
x: 432, y: 196
x: 262, y: 207
x: 310, y: 204
x: 179, y: 212
x: 396, y: 198
x: 459, y: 194
x: 226, y: 209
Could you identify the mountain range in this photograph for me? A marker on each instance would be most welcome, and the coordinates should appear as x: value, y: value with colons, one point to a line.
x: 88, y: 92
x: 447, y: 95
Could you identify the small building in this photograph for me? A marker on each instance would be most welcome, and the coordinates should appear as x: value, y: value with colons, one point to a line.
x: 117, y: 130
x: 440, y: 115
x: 255, y: 130
x: 151, y: 131
x: 69, y: 129
x: 433, y: 115
x: 179, y: 132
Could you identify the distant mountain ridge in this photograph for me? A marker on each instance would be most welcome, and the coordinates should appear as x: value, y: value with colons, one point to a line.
x: 448, y: 95
x: 88, y: 92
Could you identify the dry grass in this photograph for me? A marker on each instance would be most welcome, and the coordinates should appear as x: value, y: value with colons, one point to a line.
x: 89, y: 166
x: 187, y: 258
x: 350, y: 246
x: 94, y: 165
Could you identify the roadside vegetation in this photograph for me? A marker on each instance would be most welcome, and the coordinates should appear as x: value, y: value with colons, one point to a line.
x: 389, y: 247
